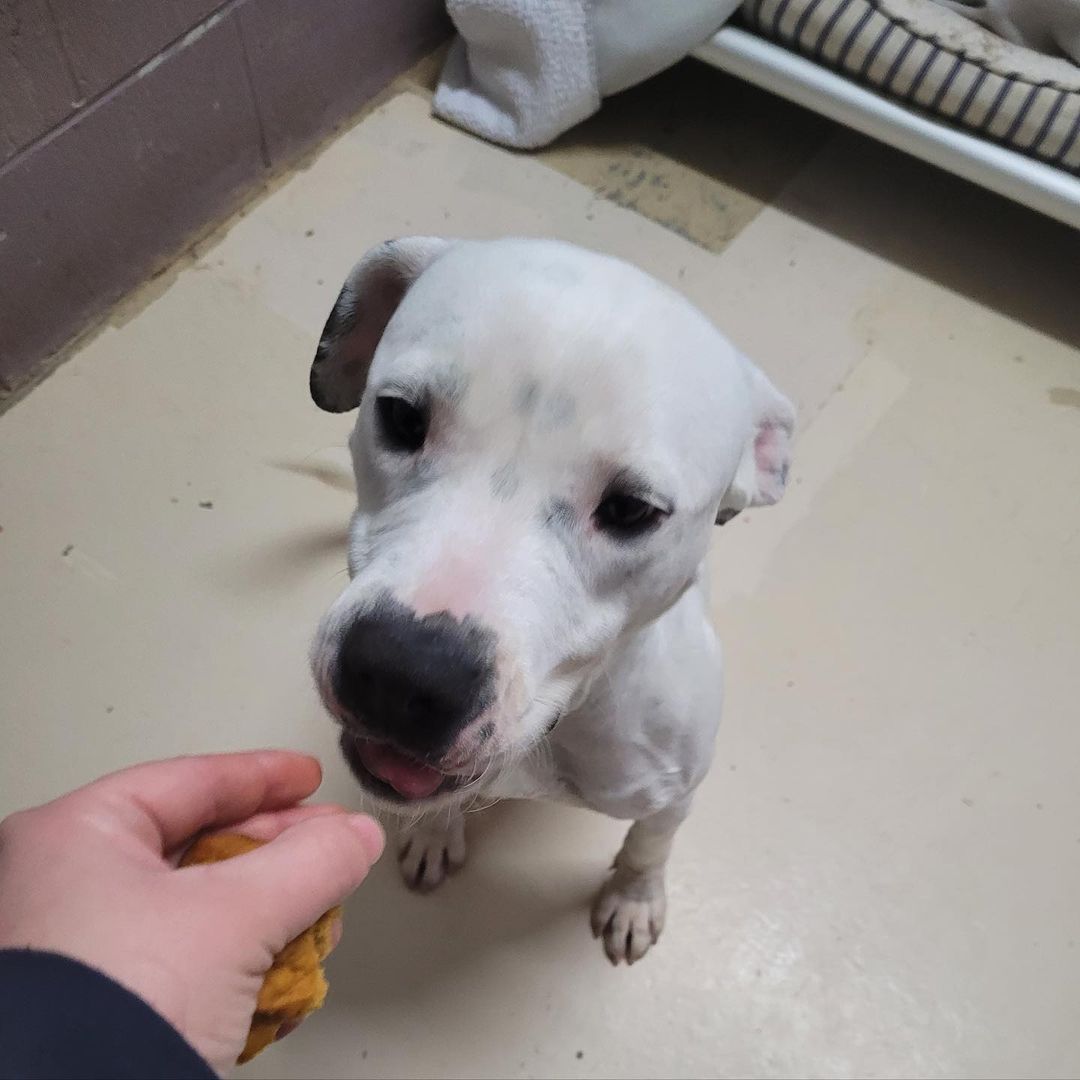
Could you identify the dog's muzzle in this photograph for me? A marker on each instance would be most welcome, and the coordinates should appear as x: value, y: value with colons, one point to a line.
x: 409, y: 687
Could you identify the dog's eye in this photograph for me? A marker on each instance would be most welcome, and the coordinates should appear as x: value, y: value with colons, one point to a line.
x: 404, y: 426
x: 625, y: 516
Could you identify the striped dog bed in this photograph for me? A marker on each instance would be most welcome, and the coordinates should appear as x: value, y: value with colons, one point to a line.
x: 923, y: 55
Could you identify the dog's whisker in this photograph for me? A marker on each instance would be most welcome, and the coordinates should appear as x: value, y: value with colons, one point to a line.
x: 473, y: 809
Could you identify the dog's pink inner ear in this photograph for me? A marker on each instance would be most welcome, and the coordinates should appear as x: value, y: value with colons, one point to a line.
x: 771, y: 455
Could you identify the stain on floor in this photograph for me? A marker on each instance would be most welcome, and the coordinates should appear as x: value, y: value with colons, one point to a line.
x: 1064, y: 395
x: 693, y: 149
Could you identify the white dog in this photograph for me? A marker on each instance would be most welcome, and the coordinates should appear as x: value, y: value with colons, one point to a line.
x: 545, y: 439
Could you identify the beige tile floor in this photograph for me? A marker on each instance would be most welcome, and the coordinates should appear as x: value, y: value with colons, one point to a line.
x: 882, y: 877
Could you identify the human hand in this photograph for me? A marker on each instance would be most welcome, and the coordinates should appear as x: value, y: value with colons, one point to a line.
x: 92, y: 875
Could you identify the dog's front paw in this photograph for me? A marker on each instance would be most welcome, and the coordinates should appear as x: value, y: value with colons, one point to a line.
x: 430, y: 851
x: 628, y: 914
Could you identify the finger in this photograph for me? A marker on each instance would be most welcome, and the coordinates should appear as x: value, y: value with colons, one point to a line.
x: 336, y: 932
x: 273, y: 823
x: 305, y: 871
x: 267, y: 825
x: 166, y: 802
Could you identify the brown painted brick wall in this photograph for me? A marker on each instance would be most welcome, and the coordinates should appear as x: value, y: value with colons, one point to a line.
x: 37, y: 89
x: 128, y: 126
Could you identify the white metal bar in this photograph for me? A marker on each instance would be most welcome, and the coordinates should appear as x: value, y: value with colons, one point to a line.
x: 768, y: 65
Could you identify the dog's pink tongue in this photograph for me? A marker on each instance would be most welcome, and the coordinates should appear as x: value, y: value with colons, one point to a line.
x: 406, y: 776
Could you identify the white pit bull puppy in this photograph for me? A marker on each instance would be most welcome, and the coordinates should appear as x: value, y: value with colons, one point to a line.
x: 545, y: 438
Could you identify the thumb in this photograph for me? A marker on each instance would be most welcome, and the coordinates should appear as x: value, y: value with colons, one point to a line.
x: 306, y: 870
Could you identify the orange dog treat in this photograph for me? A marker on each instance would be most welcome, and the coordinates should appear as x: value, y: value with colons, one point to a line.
x: 295, y: 985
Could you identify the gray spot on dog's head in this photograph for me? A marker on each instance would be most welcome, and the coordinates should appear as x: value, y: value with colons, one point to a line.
x: 505, y: 482
x: 558, y: 411
x: 526, y: 398
x: 561, y: 273
x: 559, y: 514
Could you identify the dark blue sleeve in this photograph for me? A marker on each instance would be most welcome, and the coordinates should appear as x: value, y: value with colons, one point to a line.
x: 60, y: 1019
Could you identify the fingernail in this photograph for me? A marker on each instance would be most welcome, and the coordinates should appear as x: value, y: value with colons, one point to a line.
x: 370, y: 832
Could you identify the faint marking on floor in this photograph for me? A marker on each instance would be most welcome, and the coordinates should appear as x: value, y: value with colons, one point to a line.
x: 1064, y: 395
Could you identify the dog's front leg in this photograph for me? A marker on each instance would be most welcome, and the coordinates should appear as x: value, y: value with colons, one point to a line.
x: 432, y: 849
x: 628, y: 914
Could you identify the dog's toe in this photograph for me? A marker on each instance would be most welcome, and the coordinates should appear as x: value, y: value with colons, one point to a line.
x: 628, y: 915
x: 430, y: 852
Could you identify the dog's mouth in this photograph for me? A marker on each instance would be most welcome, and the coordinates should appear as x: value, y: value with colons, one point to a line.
x: 392, y: 773
x: 400, y: 777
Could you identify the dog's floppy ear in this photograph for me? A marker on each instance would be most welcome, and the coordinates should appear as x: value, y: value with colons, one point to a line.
x: 371, y: 294
x: 763, y: 469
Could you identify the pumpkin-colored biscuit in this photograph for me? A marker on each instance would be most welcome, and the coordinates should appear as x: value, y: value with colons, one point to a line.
x: 295, y: 985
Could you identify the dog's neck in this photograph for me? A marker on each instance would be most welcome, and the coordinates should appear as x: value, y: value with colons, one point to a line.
x: 632, y: 639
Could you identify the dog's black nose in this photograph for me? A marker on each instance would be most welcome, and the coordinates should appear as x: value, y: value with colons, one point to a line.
x: 415, y: 681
